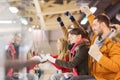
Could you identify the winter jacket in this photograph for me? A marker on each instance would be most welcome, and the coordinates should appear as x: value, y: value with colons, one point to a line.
x: 108, y: 68
x: 64, y: 70
x: 80, y: 59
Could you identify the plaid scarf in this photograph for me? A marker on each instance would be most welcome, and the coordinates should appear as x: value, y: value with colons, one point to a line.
x: 75, y: 72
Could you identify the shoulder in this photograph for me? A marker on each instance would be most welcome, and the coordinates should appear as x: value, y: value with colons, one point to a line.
x: 111, y: 45
x: 84, y: 43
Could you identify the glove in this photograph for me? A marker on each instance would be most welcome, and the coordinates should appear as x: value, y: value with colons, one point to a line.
x: 39, y: 59
x: 36, y: 58
x: 43, y: 57
x: 86, y: 10
x: 95, y: 53
x: 50, y: 58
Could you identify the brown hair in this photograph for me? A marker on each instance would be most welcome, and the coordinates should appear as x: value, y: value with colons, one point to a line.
x: 78, y: 31
x: 103, y: 18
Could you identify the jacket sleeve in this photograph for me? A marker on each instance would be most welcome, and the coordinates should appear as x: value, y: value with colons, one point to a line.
x: 91, y: 19
x: 81, y: 55
x: 113, y: 62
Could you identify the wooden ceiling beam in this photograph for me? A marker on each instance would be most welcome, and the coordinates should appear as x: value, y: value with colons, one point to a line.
x: 60, y: 12
x: 60, y: 9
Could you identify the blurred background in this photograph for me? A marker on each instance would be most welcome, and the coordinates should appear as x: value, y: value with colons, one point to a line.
x: 35, y: 21
x: 39, y: 16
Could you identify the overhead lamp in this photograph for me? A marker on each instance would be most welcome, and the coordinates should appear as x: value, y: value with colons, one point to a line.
x: 23, y: 21
x: 30, y: 29
x: 33, y: 26
x: 13, y: 9
x: 72, y: 26
x: 7, y: 21
x: 84, y: 21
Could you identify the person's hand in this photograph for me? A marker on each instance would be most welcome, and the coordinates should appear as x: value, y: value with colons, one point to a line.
x: 43, y: 58
x: 86, y: 10
x: 38, y: 59
x: 95, y: 52
x: 50, y: 58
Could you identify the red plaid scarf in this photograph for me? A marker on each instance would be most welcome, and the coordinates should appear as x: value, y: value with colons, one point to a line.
x: 75, y: 72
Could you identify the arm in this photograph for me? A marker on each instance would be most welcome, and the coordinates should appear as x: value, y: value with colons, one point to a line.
x: 91, y: 19
x: 19, y: 64
x: 64, y: 29
x: 89, y: 14
x: 108, y: 57
x: 81, y: 55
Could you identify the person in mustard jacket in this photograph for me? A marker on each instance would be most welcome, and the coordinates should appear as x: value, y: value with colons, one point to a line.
x: 104, y: 60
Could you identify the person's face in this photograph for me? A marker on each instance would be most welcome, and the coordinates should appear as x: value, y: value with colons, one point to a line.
x: 17, y: 39
x: 97, y: 28
x: 73, y: 38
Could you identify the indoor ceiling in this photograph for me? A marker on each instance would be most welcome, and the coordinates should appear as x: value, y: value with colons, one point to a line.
x: 43, y: 13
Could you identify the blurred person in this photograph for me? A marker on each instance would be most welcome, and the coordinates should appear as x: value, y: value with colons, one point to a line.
x: 20, y: 64
x: 12, y: 51
x: 12, y: 64
x: 104, y: 59
x: 16, y: 43
x: 79, y: 51
x: 13, y: 48
x: 30, y: 54
x: 63, y: 54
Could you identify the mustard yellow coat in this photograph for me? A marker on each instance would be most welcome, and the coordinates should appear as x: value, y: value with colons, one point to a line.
x: 108, y: 68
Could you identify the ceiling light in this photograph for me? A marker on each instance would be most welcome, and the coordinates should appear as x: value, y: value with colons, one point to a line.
x: 72, y: 26
x: 23, y: 20
x: 30, y: 29
x: 33, y: 26
x: 84, y: 21
x: 13, y: 9
x: 93, y: 9
x: 7, y: 21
